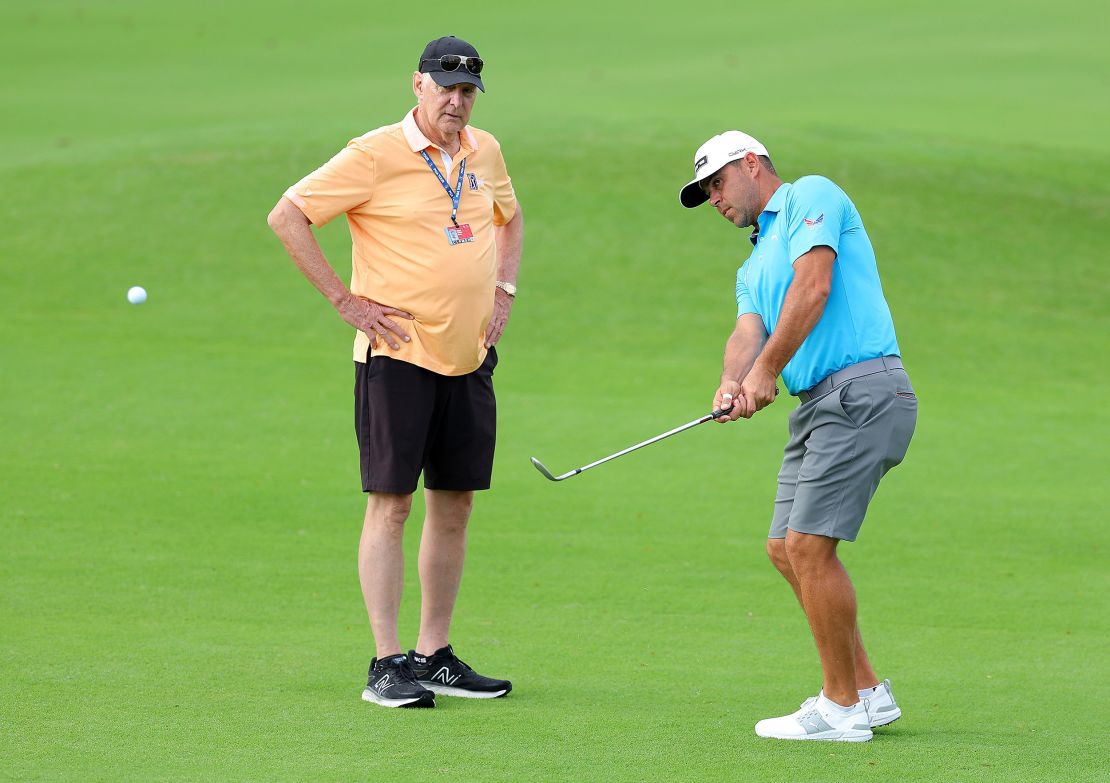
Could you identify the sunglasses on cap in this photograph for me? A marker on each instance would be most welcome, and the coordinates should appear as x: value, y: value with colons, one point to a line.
x: 451, y: 62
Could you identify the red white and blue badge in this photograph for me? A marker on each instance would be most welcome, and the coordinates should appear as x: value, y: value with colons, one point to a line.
x: 815, y: 222
x: 459, y: 235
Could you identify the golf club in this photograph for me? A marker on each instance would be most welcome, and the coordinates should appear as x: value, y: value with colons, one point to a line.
x: 708, y: 417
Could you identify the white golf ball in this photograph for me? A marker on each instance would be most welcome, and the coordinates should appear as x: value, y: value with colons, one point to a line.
x: 136, y: 294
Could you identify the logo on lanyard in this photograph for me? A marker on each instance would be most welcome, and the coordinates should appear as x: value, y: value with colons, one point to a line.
x: 456, y: 234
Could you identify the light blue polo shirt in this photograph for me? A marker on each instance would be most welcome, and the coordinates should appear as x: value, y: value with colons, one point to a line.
x: 856, y: 324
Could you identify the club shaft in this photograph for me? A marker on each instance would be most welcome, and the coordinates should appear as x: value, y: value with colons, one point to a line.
x: 647, y: 442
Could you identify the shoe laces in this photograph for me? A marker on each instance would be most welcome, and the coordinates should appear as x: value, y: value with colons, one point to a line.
x: 455, y: 659
x: 403, y: 668
x: 407, y: 674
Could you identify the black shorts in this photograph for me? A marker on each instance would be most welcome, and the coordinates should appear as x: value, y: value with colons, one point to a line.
x: 408, y: 420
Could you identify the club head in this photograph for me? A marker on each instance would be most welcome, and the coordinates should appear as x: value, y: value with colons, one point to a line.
x: 545, y: 471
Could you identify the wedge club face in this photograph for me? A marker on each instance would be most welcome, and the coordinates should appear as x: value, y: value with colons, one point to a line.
x: 547, y: 473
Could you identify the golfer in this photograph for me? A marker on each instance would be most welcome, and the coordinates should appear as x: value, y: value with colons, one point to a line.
x: 436, y: 237
x: 811, y: 309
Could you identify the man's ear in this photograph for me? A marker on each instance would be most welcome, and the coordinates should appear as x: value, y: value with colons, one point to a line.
x: 752, y: 164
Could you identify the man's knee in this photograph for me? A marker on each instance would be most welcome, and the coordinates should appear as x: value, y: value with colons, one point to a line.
x: 449, y: 509
x: 387, y: 509
x: 462, y: 503
x: 776, y: 551
x: 805, y: 551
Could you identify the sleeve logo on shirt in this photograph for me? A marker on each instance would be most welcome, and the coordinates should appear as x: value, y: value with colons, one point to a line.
x: 812, y: 224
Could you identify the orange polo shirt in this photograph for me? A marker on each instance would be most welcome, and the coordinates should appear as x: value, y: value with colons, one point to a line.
x: 398, y: 211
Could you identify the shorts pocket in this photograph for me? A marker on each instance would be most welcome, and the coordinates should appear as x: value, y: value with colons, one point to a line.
x: 489, y: 364
x: 854, y: 402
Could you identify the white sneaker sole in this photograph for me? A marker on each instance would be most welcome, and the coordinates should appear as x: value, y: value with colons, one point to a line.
x: 887, y: 719
x: 447, y: 690
x: 851, y: 735
x: 374, y: 698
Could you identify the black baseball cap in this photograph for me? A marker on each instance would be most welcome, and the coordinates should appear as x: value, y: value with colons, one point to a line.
x: 449, y: 44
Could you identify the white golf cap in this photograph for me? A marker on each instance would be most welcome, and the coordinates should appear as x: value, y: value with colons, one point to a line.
x: 713, y: 156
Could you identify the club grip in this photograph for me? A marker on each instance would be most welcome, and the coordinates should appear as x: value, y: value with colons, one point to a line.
x: 721, y: 412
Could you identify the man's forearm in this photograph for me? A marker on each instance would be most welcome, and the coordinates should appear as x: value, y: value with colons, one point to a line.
x: 743, y: 346
x: 801, y: 309
x: 800, y: 313
x: 741, y: 351
x: 510, y: 245
x: 295, y: 232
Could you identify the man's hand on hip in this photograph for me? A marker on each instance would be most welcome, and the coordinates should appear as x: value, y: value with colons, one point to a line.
x: 502, y: 304
x: 373, y: 319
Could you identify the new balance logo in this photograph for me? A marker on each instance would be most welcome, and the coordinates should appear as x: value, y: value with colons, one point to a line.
x: 444, y: 676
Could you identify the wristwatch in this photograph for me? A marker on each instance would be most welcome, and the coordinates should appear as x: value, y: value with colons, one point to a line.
x: 508, y: 288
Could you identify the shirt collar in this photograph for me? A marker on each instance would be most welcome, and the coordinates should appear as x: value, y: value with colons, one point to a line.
x: 774, y: 204
x: 778, y: 199
x: 418, y: 141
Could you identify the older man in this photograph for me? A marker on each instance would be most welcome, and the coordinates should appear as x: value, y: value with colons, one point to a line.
x: 811, y: 308
x: 436, y: 241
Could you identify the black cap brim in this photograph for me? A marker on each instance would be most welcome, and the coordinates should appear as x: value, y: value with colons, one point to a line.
x: 692, y: 195
x: 460, y: 76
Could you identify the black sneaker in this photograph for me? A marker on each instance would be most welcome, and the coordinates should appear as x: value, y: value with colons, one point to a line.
x: 444, y: 673
x: 391, y: 683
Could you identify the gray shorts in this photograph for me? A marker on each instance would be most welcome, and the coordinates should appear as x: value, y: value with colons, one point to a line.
x: 841, y: 445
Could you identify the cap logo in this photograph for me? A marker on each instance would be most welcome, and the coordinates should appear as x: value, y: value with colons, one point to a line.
x: 704, y: 159
x: 734, y: 153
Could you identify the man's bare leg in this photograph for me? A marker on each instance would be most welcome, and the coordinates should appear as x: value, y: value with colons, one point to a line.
x: 442, y: 551
x: 829, y: 601
x: 865, y: 675
x: 381, y: 566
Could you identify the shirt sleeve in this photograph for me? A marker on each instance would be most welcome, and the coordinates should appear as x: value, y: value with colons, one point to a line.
x: 504, y: 197
x: 340, y: 185
x: 744, y: 303
x: 815, y: 215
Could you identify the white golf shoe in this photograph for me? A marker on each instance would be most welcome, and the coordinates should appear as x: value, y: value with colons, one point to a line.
x: 819, y: 719
x: 882, y: 709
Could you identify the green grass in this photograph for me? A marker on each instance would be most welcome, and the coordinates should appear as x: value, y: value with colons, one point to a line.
x: 179, y: 506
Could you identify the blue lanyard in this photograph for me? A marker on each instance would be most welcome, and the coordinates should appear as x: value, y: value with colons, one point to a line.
x: 454, y: 194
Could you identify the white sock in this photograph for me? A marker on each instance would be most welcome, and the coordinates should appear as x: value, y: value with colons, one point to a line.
x: 866, y: 693
x: 829, y: 703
